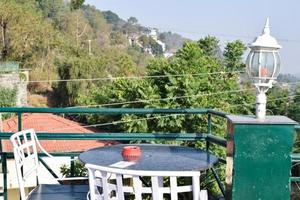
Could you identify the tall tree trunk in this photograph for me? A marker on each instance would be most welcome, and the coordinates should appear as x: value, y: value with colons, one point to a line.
x: 77, y: 30
x: 3, y: 28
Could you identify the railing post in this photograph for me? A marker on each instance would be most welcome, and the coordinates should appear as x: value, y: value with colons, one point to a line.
x: 72, y: 170
x: 19, y: 121
x: 258, y: 157
x: 4, y: 171
x: 208, y: 130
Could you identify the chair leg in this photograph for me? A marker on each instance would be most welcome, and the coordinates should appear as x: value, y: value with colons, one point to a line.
x: 203, y: 195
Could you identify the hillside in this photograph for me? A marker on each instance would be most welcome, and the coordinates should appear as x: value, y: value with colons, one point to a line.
x: 67, y: 39
x: 173, y: 41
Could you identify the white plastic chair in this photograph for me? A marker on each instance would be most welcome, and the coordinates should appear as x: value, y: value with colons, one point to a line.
x: 102, y: 188
x: 25, y: 145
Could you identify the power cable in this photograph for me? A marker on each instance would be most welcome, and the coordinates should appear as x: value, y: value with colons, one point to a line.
x: 164, y: 116
x: 223, y: 34
x: 163, y: 99
x: 123, y: 77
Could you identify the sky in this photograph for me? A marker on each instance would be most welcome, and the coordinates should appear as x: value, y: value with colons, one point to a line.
x: 227, y: 20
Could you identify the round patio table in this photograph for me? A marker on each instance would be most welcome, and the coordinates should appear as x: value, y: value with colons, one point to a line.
x: 153, y: 158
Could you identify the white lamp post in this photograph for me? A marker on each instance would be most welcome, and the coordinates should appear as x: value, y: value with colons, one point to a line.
x: 263, y: 65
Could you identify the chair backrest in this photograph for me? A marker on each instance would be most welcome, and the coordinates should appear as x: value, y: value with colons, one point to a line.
x: 25, y: 152
x: 103, y: 188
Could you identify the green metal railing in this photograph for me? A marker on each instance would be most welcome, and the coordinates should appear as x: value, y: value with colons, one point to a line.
x: 207, y: 137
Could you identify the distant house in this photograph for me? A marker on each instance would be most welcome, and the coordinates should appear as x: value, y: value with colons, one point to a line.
x: 46, y: 123
x: 153, y: 34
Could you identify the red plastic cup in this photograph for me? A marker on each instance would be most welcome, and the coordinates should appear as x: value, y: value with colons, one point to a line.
x: 131, y: 153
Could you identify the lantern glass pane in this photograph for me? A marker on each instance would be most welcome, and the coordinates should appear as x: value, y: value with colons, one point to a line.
x: 266, y: 64
x: 277, y: 69
x: 248, y: 63
x: 254, y: 63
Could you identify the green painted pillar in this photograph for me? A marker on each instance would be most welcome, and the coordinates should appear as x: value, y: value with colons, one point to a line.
x: 258, y: 158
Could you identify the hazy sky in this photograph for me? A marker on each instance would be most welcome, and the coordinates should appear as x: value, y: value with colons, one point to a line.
x: 228, y: 20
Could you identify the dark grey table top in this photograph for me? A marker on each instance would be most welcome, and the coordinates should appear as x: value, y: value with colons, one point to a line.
x: 153, y: 158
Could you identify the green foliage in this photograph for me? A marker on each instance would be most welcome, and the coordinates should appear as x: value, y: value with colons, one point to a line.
x: 27, y: 42
x: 132, y: 20
x: 79, y: 171
x: 8, y: 97
x: 233, y: 55
x: 130, y: 29
x: 51, y: 9
x: 174, y: 92
x: 139, y: 57
x: 100, y: 28
x: 117, y: 38
x: 278, y: 101
x: 83, y: 66
x: 149, y: 42
x: 114, y: 20
x: 294, y: 107
x: 76, y: 4
x: 173, y: 41
x: 210, y: 46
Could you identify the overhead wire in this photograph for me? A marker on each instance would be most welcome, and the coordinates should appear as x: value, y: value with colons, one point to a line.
x: 119, y: 122
x: 228, y: 35
x: 150, y: 100
x: 124, y: 77
x: 164, y: 116
x: 290, y: 83
x: 163, y: 99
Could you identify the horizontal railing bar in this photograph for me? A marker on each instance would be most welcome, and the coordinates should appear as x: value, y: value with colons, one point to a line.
x: 217, y: 140
x: 295, y: 156
x: 294, y: 179
x: 58, y: 154
x: 217, y: 113
x: 115, y: 136
x: 108, y: 111
x: 221, y: 160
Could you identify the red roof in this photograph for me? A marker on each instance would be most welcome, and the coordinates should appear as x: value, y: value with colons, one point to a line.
x: 44, y: 122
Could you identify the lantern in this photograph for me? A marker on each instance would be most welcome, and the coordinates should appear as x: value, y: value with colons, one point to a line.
x: 263, y: 66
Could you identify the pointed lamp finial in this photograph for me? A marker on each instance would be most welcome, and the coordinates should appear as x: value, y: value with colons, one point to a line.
x: 267, y: 27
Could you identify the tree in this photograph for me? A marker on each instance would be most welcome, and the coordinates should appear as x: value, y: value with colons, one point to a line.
x: 132, y: 20
x: 210, y: 46
x: 80, y: 65
x: 78, y: 27
x: 76, y: 4
x: 191, y: 59
x: 294, y: 107
x: 149, y: 42
x: 114, y: 20
x: 173, y: 41
x: 233, y: 55
x: 33, y: 38
x: 170, y: 84
x: 51, y: 9
x: 100, y: 30
x: 278, y: 101
x: 117, y: 38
